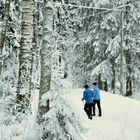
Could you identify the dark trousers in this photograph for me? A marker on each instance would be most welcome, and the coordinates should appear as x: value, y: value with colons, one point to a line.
x: 88, y: 109
x: 98, y: 105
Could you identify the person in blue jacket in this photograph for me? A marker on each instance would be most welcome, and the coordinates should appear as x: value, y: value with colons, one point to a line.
x: 96, y: 99
x: 88, y: 97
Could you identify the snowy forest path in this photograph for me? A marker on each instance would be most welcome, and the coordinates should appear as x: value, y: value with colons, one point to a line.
x: 120, y: 120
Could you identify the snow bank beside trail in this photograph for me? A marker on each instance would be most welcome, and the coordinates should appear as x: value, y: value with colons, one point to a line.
x: 136, y: 95
x: 66, y: 84
x: 120, y: 120
x: 19, y: 126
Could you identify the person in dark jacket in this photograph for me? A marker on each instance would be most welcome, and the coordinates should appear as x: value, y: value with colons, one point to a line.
x: 96, y: 99
x: 88, y: 97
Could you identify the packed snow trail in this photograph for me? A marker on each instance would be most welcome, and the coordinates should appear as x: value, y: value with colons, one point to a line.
x: 120, y: 117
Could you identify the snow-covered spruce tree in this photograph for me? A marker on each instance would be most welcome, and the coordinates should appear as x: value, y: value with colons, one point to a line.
x: 92, y: 38
x: 131, y: 50
x: 77, y: 63
x: 90, y: 32
x: 109, y: 32
x: 110, y: 24
x: 25, y: 56
x: 130, y: 28
x: 65, y: 24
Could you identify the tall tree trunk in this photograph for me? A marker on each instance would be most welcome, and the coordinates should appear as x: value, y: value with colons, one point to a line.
x: 105, y: 86
x: 113, y: 85
x: 100, y: 84
x: 128, y: 79
x: 128, y: 56
x: 46, y: 55
x: 4, y: 30
x: 25, y: 56
x: 35, y: 63
x: 113, y: 82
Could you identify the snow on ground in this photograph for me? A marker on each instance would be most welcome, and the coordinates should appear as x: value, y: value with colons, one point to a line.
x: 27, y: 129
x: 136, y: 95
x: 120, y: 119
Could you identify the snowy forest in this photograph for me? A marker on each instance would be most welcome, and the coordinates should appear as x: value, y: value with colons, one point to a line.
x: 49, y: 47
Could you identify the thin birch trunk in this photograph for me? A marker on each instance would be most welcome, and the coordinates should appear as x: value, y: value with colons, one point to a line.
x: 46, y: 55
x: 25, y: 56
